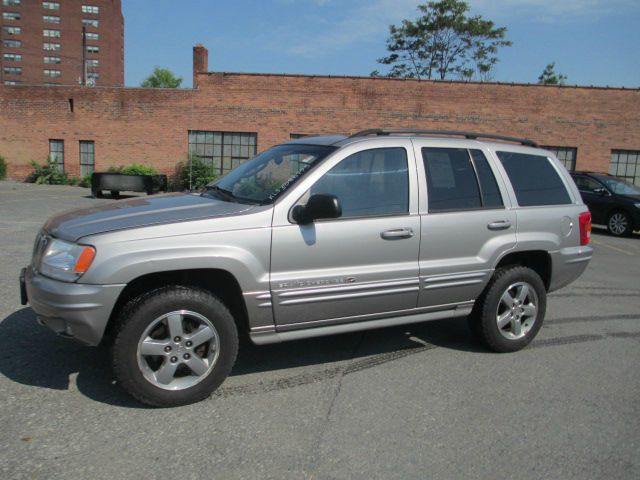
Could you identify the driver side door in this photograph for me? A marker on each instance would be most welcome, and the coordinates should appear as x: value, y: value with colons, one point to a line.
x: 361, y: 265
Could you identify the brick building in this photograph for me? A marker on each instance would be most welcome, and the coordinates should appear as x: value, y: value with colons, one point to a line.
x: 228, y: 117
x: 66, y: 42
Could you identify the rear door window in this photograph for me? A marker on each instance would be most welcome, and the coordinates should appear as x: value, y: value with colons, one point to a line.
x: 534, y: 180
x: 459, y: 179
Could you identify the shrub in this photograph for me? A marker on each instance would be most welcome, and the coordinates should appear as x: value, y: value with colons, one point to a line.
x: 85, y: 181
x: 47, y: 174
x: 3, y: 168
x: 133, y: 169
x: 201, y: 174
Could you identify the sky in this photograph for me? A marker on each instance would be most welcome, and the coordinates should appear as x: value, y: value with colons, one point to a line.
x: 592, y: 42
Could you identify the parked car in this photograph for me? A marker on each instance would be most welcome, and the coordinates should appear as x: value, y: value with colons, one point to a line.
x: 613, y: 201
x: 318, y: 236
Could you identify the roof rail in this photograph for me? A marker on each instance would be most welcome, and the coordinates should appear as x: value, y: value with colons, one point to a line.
x: 470, y: 135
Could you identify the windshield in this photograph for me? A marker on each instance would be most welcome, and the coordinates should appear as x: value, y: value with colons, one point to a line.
x: 262, y: 179
x: 619, y: 186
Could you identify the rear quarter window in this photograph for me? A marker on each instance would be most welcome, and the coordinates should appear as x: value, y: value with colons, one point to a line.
x: 534, y: 180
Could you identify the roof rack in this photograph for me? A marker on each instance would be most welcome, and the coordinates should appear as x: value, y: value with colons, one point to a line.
x: 470, y: 135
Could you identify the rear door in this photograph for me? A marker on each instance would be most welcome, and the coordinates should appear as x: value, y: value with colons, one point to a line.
x: 467, y: 222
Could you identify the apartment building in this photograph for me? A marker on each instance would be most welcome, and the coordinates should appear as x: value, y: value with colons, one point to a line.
x: 63, y: 42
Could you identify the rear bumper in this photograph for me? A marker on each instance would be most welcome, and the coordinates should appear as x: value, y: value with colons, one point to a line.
x: 73, y: 310
x: 568, y: 264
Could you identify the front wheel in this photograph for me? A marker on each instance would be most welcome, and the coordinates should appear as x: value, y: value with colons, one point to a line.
x: 511, y: 310
x: 619, y: 224
x: 174, y: 346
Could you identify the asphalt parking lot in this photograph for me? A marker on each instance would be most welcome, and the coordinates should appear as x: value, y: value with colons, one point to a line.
x: 423, y: 401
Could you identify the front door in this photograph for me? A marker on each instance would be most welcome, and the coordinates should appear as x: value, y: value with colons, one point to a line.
x: 361, y: 265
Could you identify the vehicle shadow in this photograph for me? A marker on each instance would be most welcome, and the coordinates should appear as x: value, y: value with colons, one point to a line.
x: 33, y: 355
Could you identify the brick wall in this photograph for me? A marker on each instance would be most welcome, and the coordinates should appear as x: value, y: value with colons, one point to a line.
x: 150, y: 125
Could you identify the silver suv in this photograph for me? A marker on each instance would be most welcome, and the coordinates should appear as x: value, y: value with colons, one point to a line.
x: 318, y: 236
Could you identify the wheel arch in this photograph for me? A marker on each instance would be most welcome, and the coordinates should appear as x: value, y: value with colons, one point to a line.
x: 219, y: 282
x: 537, y: 260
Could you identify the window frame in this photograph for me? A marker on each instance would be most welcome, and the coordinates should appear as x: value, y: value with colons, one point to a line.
x: 57, y: 154
x: 635, y: 178
x: 83, y: 155
x: 556, y: 150
x: 221, y: 170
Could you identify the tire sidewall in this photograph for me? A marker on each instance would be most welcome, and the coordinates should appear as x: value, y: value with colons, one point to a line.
x: 489, y: 327
x: 154, y: 305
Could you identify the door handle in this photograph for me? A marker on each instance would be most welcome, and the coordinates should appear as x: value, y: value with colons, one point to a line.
x: 397, y: 234
x: 499, y: 225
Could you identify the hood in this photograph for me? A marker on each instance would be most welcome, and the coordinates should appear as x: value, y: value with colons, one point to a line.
x: 138, y: 212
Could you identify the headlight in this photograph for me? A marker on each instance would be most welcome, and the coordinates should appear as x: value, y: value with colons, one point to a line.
x: 66, y: 261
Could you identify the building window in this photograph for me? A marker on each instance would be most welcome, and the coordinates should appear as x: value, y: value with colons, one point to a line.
x: 626, y: 164
x: 52, y: 73
x: 51, y: 19
x: 51, y: 33
x: 222, y: 151
x: 12, y: 30
x: 11, y: 82
x: 566, y: 155
x: 93, y: 75
x: 51, y: 46
x: 92, y: 62
x: 51, y: 5
x: 56, y: 153
x: 11, y: 43
x: 90, y: 9
x: 12, y: 57
x: 10, y: 3
x: 93, y: 49
x: 12, y: 70
x: 89, y: 22
x: 87, y: 157
x: 52, y: 60
x: 92, y: 36
x: 10, y: 16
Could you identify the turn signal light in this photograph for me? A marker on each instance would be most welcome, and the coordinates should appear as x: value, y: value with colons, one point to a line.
x: 85, y: 259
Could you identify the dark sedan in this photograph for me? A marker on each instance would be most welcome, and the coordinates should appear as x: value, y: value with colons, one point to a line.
x: 613, y: 201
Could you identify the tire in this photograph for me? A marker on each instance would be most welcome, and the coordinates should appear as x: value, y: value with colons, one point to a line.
x: 500, y: 323
x: 174, y: 346
x: 619, y: 224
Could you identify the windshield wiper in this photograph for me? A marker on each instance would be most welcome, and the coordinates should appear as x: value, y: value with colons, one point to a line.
x: 225, y: 194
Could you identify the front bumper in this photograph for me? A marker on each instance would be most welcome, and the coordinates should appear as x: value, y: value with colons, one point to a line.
x: 75, y: 310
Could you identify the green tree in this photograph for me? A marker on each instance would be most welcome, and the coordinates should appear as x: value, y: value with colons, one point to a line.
x: 550, y: 77
x: 161, y: 78
x: 445, y: 42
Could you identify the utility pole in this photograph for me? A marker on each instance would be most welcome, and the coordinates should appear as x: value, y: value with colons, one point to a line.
x: 84, y: 56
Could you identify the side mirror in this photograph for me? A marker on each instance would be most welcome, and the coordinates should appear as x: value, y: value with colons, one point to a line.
x: 601, y: 192
x: 319, y: 206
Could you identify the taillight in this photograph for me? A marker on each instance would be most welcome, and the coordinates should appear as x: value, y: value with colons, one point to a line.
x: 585, y: 228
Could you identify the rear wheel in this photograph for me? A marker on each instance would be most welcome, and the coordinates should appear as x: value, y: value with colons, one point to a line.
x: 511, y: 310
x: 619, y: 224
x: 174, y: 346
